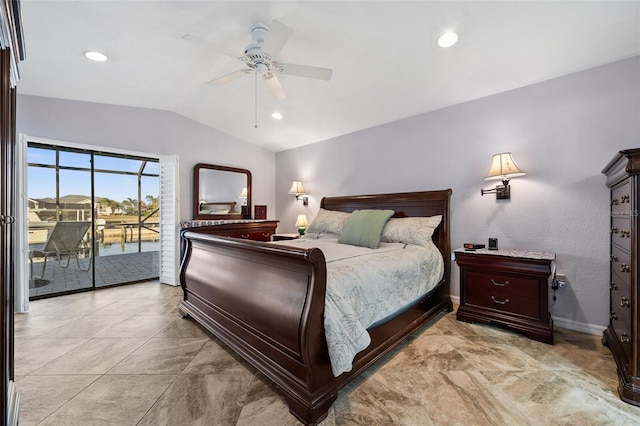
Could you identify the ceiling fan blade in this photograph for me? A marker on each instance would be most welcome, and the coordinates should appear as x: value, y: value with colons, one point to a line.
x: 275, y: 87
x: 306, y: 71
x: 229, y: 77
x: 208, y: 45
x: 277, y: 37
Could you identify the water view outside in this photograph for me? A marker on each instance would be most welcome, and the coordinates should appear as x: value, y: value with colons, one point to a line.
x: 110, y: 213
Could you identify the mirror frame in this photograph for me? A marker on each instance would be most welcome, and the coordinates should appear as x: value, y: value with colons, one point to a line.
x: 245, y: 211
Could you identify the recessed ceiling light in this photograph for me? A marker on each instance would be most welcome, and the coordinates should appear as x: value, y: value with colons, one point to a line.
x: 448, y: 39
x: 276, y: 115
x: 95, y: 56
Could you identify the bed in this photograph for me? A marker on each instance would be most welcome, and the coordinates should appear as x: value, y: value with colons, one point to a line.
x: 266, y: 301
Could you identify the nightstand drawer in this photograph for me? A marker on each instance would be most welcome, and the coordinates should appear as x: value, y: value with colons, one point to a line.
x: 503, y: 284
x: 503, y: 292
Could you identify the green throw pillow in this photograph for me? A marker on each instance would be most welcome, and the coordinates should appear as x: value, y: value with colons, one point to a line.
x: 364, y: 228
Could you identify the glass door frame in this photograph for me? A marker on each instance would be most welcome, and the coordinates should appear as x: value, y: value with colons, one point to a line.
x: 92, y: 170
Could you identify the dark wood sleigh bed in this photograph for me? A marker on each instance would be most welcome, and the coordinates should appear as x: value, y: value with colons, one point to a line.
x: 266, y: 302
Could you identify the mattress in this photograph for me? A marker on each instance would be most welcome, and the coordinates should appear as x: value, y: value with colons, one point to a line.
x: 366, y: 286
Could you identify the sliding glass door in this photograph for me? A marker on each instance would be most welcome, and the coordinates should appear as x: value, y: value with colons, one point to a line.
x: 127, y: 228
x: 92, y: 218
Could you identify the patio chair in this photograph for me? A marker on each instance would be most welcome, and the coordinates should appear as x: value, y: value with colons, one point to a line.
x: 66, y: 239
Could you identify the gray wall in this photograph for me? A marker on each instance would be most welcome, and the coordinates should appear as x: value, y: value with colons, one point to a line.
x: 149, y: 131
x: 562, y: 132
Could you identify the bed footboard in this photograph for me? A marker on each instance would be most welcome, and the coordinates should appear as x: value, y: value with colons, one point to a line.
x: 266, y: 302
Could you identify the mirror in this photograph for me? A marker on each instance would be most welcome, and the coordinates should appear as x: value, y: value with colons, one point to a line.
x: 219, y: 192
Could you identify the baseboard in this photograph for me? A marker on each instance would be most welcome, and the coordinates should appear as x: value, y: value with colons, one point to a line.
x: 582, y: 327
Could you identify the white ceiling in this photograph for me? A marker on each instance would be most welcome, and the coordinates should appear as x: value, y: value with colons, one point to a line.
x: 386, y: 64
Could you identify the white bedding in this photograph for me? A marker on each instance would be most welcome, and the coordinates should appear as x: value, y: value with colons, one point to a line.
x: 366, y: 285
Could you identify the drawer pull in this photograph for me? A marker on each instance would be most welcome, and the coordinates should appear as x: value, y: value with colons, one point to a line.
x: 625, y: 338
x: 614, y: 202
x: 500, y: 302
x: 614, y: 230
x: 624, y: 267
x: 613, y: 316
x: 245, y: 236
x: 624, y: 302
x: 625, y: 199
x: 266, y: 234
x: 624, y: 233
x: 499, y: 284
x: 614, y: 258
x: 613, y: 286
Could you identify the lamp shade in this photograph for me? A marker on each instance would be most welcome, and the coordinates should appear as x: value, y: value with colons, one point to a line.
x: 296, y: 188
x: 301, y: 222
x: 503, y: 167
x: 243, y: 194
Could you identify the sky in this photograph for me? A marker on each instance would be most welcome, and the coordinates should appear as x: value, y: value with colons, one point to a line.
x: 41, y: 182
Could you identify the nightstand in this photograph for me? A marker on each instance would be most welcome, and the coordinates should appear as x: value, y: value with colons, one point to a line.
x: 507, y: 287
x: 282, y: 237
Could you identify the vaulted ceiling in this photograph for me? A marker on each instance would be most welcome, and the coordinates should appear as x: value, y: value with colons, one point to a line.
x: 385, y: 60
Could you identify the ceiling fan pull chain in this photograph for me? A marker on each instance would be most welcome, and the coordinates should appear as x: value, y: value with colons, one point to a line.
x: 256, y: 116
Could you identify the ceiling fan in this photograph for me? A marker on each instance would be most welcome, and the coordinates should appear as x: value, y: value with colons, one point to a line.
x: 260, y: 58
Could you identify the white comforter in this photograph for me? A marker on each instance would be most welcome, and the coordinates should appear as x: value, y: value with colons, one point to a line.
x: 365, y: 286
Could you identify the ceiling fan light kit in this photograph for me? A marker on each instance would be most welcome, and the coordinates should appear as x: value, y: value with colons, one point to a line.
x: 260, y: 58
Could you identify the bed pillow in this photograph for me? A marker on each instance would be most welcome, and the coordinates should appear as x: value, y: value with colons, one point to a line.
x: 411, y: 230
x: 364, y: 228
x: 327, y: 221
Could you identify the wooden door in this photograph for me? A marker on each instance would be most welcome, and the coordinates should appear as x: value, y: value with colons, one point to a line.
x: 11, y: 52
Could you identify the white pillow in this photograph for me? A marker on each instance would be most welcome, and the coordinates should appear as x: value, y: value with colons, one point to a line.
x: 328, y: 221
x: 410, y: 230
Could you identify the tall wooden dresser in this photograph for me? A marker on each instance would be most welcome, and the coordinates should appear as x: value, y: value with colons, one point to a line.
x: 621, y: 336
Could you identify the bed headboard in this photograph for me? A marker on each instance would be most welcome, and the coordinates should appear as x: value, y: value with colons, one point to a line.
x: 405, y: 204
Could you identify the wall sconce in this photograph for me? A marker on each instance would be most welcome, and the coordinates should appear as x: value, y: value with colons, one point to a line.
x: 243, y: 195
x: 297, y: 190
x: 302, y: 223
x: 504, y: 168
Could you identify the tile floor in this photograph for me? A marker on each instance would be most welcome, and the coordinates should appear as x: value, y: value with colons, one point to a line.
x: 122, y: 356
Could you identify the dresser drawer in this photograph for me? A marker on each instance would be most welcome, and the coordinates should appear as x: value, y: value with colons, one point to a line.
x: 621, y: 200
x: 621, y: 232
x: 255, y: 235
x: 618, y: 288
x: 249, y: 230
x: 620, y: 322
x: 503, y: 292
x: 621, y: 264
